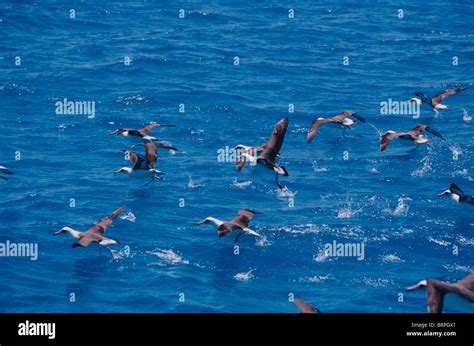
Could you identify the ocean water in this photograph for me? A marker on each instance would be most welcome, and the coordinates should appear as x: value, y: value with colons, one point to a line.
x: 183, y: 71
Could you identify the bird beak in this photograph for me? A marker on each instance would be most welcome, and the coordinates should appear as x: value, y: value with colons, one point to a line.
x: 201, y: 222
x: 446, y: 192
x: 58, y: 232
x: 169, y: 125
x: 117, y: 171
x: 437, y: 134
x: 113, y: 133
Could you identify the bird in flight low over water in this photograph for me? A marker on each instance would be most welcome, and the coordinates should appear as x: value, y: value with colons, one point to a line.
x: 95, y: 233
x: 413, y: 136
x: 144, y: 166
x: 141, y: 133
x: 436, y: 290
x: 342, y: 120
x: 239, y: 222
x: 5, y: 170
x: 267, y: 152
x: 435, y: 101
x: 458, y: 195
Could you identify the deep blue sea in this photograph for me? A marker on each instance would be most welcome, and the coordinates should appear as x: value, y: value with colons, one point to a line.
x: 225, y: 74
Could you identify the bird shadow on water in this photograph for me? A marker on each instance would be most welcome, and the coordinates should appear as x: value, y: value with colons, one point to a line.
x: 227, y: 262
x: 86, y: 270
x: 464, y: 222
x: 139, y: 193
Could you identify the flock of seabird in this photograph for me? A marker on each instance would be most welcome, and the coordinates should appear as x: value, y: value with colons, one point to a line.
x: 267, y: 154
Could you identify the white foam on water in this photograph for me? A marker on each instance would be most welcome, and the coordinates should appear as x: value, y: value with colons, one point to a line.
x: 374, y: 170
x: 466, y: 117
x: 315, y: 279
x: 347, y: 213
x: 321, y: 256
x: 169, y: 256
x: 439, y: 241
x: 299, y: 229
x: 129, y: 217
x: 244, y: 276
x: 376, y: 282
x: 425, y: 168
x: 391, y: 258
x: 241, y: 184
x: 402, y: 207
x: 458, y: 268
x: 263, y: 241
x: 191, y: 184
x: 117, y: 255
x: 286, y: 193
x: 318, y: 169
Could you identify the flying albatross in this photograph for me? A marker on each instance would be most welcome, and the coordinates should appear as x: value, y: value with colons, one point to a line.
x: 413, y: 136
x: 436, y: 290
x: 240, y: 221
x: 95, y: 233
x: 306, y: 308
x: 268, y: 151
x: 342, y: 120
x: 5, y: 170
x: 144, y: 166
x: 435, y: 102
x: 458, y: 195
x: 141, y: 133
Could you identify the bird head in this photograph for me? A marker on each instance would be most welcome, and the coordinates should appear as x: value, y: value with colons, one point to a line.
x: 118, y: 132
x: 123, y: 170
x: 62, y: 230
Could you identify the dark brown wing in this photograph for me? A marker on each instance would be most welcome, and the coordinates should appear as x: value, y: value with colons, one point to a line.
x: 418, y: 129
x: 241, y: 161
x: 315, y: 125
x: 101, y: 226
x: 226, y: 228
x: 151, y: 154
x: 441, y: 96
x: 466, y: 287
x: 305, y: 307
x: 84, y: 241
x: 435, y: 296
x: 387, y: 137
x: 243, y: 218
x: 276, y: 140
x: 144, y: 131
x: 468, y: 282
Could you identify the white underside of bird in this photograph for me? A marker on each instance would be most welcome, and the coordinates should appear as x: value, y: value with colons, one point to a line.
x: 139, y: 173
x: 77, y: 235
x: 218, y: 223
